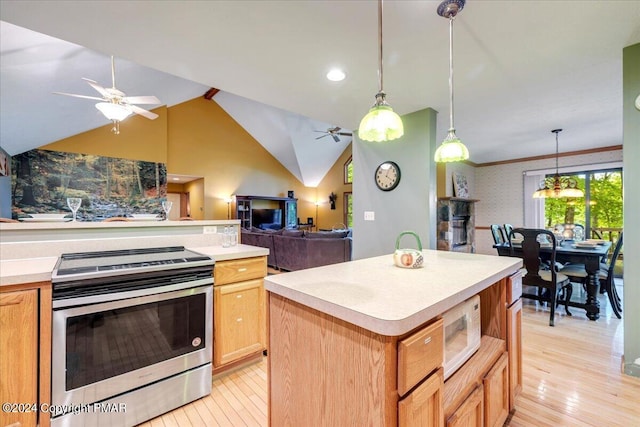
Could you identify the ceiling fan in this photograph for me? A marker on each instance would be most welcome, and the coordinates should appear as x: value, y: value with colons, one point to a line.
x: 115, y: 105
x: 334, y: 132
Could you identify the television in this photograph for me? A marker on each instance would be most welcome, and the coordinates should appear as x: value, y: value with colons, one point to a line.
x: 267, y: 219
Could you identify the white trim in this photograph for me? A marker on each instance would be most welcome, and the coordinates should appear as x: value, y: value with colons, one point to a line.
x: 577, y: 168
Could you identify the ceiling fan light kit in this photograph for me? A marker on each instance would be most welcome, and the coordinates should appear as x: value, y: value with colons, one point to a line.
x: 451, y: 149
x: 558, y: 186
x: 381, y: 123
x: 114, y: 104
x: 113, y: 111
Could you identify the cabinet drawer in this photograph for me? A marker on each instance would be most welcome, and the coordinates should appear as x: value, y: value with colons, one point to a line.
x: 514, y: 287
x: 239, y: 270
x: 418, y: 355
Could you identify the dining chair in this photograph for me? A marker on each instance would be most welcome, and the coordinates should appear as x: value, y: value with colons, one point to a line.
x: 578, y: 273
x: 548, y: 281
x: 508, y: 228
x: 498, y: 234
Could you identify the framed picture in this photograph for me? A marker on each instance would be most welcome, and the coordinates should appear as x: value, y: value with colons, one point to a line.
x: 310, y: 220
x: 460, y: 187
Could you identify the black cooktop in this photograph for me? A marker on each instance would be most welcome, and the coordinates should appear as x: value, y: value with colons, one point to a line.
x: 101, y: 263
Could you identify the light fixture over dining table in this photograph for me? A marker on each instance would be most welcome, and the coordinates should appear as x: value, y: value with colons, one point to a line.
x: 558, y: 186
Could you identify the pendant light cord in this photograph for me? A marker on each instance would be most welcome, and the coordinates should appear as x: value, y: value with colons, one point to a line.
x: 451, y: 72
x: 380, y: 80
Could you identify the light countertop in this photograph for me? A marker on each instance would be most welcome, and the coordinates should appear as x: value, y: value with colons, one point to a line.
x: 31, y: 270
x: 380, y: 297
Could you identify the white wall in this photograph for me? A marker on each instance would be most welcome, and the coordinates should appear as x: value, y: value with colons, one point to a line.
x: 411, y: 205
x: 631, y: 118
x: 500, y: 191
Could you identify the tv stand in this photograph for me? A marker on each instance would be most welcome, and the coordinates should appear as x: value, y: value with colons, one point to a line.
x: 246, y: 205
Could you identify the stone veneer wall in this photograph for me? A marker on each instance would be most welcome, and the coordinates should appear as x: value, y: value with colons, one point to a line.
x: 449, y: 209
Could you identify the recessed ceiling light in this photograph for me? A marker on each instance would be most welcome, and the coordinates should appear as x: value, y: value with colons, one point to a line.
x: 175, y: 178
x: 336, y: 75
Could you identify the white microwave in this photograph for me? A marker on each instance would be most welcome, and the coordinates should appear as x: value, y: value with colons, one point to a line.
x: 461, y: 334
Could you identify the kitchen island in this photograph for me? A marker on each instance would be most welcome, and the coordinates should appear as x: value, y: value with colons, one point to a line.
x: 361, y: 343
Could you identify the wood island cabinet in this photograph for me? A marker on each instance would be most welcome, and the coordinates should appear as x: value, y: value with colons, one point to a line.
x: 317, y: 359
x: 514, y: 336
x: 19, y: 355
x: 239, y: 310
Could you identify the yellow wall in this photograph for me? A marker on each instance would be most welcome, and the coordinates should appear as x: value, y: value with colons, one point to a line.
x: 333, y: 182
x: 139, y: 139
x: 199, y: 138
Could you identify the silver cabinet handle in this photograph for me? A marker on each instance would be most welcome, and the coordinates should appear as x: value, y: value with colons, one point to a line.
x: 242, y: 270
x: 427, y: 340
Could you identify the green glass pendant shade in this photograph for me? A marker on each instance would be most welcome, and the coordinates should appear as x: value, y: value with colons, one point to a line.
x: 380, y: 124
x: 451, y: 149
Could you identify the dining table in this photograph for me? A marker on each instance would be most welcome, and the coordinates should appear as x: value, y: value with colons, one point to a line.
x: 571, y: 252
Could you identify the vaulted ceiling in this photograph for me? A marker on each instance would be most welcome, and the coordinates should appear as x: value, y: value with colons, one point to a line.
x: 522, y: 68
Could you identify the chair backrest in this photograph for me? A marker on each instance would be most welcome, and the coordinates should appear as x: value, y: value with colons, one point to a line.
x: 614, y: 257
x: 508, y: 228
x: 498, y: 234
x: 531, y: 253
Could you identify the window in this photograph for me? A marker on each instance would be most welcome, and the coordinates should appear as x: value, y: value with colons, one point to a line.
x: 348, y: 209
x: 600, y: 211
x: 348, y: 171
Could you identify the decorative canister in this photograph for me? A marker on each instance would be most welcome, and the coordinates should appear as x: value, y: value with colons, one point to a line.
x: 408, y: 258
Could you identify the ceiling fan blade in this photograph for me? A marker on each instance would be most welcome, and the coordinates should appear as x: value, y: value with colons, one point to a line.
x: 322, y: 135
x: 79, y: 96
x: 97, y: 87
x: 143, y: 112
x: 344, y: 134
x: 335, y: 137
x: 141, y: 100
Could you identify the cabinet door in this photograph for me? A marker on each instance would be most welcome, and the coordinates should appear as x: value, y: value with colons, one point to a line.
x: 239, y: 321
x: 470, y: 413
x: 496, y: 393
x: 423, y: 407
x: 19, y: 354
x: 514, y: 347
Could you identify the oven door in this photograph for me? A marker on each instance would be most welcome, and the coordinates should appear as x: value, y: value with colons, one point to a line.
x: 101, y: 350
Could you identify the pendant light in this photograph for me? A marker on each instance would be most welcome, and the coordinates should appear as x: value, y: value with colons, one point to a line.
x: 381, y: 123
x: 452, y: 149
x: 558, y: 186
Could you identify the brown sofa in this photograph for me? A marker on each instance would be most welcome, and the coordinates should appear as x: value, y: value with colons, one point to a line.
x: 292, y: 250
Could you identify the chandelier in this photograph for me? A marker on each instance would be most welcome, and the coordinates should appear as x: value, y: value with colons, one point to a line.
x: 558, y: 186
x: 381, y: 123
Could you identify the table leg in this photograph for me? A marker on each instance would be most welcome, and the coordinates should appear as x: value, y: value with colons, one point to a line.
x: 592, y: 305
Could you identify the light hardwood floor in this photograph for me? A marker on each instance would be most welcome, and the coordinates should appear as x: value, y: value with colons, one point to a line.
x: 571, y: 378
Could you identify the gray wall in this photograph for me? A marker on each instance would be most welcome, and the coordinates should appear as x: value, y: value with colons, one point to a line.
x: 5, y: 191
x: 631, y: 146
x: 411, y: 205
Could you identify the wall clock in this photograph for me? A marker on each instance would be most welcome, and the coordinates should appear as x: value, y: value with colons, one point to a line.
x: 387, y: 176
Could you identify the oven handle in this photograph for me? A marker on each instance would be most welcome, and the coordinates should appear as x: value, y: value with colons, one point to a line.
x: 116, y: 296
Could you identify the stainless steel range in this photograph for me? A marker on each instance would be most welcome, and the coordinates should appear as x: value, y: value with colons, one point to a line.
x: 132, y: 334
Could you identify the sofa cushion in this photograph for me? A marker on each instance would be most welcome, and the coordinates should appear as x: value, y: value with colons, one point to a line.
x: 292, y: 233
x: 327, y: 234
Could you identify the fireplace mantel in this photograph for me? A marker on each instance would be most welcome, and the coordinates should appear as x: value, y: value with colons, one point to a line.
x: 456, y: 224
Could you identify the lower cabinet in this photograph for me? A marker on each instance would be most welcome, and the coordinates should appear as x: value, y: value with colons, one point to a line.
x: 19, y: 355
x: 239, y: 321
x: 423, y: 406
x: 514, y: 336
x: 496, y: 393
x: 239, y: 325
x: 471, y: 412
